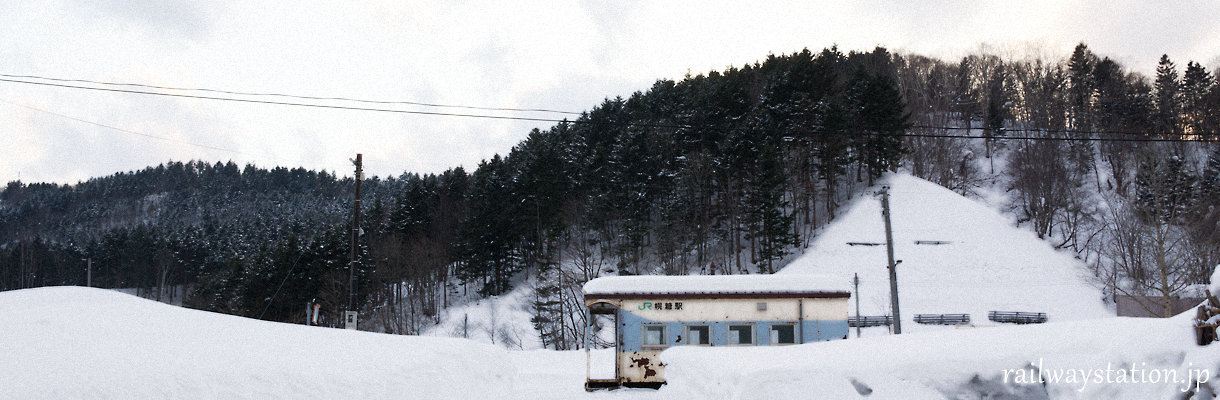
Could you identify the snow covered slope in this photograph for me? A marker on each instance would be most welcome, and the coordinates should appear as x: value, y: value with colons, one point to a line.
x: 972, y: 259
x: 502, y: 320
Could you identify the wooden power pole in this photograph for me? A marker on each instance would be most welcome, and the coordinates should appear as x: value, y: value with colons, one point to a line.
x: 350, y: 317
x: 889, y: 249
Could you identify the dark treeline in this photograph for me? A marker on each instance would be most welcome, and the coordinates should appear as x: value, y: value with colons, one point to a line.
x: 166, y: 228
x: 728, y: 172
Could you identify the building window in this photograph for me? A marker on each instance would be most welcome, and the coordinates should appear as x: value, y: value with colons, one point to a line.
x: 698, y: 334
x: 654, y: 335
x: 783, y: 334
x: 741, y: 334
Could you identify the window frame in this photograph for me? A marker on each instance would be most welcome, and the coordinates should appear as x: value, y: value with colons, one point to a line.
x: 644, y: 336
x: 686, y: 329
x: 776, y: 341
x: 749, y: 328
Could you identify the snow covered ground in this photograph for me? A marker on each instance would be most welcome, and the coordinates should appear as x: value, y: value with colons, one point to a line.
x: 958, y: 257
x: 1116, y: 358
x: 74, y: 343
x: 500, y: 320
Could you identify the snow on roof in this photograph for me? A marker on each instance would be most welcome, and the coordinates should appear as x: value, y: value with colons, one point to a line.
x: 814, y: 285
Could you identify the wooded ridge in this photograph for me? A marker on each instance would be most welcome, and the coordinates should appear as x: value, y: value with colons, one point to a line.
x: 728, y: 172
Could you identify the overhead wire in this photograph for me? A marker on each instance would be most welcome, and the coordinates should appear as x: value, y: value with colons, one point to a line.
x: 295, y: 96
x: 286, y: 103
x: 1088, y: 135
x: 115, y: 128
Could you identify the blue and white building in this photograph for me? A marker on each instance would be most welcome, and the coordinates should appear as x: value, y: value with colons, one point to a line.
x: 653, y: 313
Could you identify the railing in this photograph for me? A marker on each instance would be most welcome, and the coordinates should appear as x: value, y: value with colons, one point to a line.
x: 1017, y: 317
x: 870, y: 320
x: 942, y: 319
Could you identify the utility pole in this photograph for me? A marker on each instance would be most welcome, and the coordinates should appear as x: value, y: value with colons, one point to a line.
x: 855, y: 280
x: 351, y: 315
x: 89, y: 272
x: 21, y: 264
x: 889, y: 250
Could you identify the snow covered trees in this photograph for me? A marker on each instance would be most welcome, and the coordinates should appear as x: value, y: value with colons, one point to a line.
x: 1152, y: 248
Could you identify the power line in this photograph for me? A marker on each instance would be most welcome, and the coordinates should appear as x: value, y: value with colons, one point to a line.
x: 240, y: 93
x: 288, y: 103
x: 114, y: 128
x: 1088, y: 134
x: 281, y: 287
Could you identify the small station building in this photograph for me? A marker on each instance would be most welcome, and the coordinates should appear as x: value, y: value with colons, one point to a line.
x: 653, y: 313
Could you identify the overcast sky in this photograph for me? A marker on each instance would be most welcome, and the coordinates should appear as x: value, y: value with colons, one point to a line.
x: 519, y: 54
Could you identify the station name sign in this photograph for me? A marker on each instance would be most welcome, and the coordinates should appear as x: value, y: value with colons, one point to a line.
x: 661, y: 306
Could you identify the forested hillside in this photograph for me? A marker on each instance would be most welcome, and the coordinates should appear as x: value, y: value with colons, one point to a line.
x: 728, y: 172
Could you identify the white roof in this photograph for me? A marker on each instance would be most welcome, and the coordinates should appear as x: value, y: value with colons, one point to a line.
x: 717, y: 284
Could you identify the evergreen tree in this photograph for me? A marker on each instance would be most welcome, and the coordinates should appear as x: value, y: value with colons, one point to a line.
x: 997, y: 109
x: 880, y: 118
x: 1209, y: 186
x: 1166, y: 190
x: 768, y: 206
x: 1197, y: 84
x: 489, y: 233
x: 1082, y: 86
x: 1168, y: 99
x: 966, y: 101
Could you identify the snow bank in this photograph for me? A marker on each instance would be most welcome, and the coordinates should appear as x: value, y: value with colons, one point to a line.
x: 968, y: 363
x: 71, y: 342
x: 958, y: 256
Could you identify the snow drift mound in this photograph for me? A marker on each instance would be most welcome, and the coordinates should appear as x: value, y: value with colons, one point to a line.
x: 72, y: 342
x: 958, y: 256
x: 1115, y: 358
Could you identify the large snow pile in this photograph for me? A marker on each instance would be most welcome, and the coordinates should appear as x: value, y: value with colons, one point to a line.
x: 80, y: 343
x: 1117, y: 358
x: 958, y: 257
x: 75, y: 343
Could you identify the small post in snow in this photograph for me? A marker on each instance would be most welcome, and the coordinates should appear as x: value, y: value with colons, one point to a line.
x: 855, y: 280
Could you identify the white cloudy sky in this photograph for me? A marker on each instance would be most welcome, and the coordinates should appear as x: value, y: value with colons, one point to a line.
x: 522, y: 54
